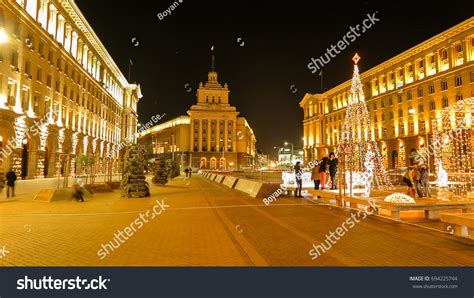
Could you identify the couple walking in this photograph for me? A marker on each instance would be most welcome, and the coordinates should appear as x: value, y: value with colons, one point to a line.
x: 325, y: 166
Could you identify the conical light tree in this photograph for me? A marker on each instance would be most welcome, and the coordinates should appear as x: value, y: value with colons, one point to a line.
x: 362, y: 159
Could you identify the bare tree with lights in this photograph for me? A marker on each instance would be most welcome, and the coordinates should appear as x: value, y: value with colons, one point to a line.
x: 357, y: 147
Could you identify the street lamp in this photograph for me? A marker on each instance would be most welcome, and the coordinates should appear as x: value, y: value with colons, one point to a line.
x: 286, y: 144
x: 3, y: 35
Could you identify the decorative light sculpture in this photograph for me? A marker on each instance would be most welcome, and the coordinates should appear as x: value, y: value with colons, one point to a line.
x: 399, y: 198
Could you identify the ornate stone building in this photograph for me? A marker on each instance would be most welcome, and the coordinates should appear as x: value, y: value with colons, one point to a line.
x: 61, y: 94
x: 213, y: 136
x: 404, y: 95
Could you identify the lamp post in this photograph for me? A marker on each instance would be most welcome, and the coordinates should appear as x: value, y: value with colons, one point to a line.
x: 291, y: 156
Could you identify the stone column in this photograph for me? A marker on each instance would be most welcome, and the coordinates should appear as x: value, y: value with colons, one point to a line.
x: 208, y: 135
x: 32, y: 160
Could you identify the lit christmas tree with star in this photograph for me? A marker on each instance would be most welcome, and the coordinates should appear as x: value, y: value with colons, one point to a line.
x: 357, y: 147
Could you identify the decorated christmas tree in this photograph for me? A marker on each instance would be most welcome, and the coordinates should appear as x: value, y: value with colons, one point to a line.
x: 358, y: 148
x: 160, y: 172
x: 134, y: 184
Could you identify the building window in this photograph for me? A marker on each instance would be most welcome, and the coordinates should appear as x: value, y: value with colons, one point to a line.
x: 383, y: 117
x: 444, y: 54
x: 420, y: 92
x: 39, y: 74
x: 390, y: 101
x: 391, y: 115
x: 375, y: 119
x: 400, y: 98
x: 411, y: 127
x: 421, y: 108
x: 14, y: 60
x: 458, y: 97
x: 421, y: 125
x: 48, y: 80
x: 431, y: 89
x: 382, y: 103
x: 375, y: 106
x: 445, y: 102
x: 432, y: 105
x: 458, y: 81
x: 41, y: 49
x: 409, y: 96
x: 400, y: 113
x: 444, y: 85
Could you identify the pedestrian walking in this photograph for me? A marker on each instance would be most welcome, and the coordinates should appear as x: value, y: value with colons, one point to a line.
x: 323, y: 167
x: 425, y: 181
x: 2, y: 181
x: 299, y: 180
x: 11, y: 180
x: 186, y: 171
x: 315, y: 174
x: 190, y: 171
x: 333, y: 169
x: 77, y: 192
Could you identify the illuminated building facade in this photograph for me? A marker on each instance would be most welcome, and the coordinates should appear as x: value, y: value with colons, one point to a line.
x: 211, y: 137
x: 404, y: 95
x: 54, y: 70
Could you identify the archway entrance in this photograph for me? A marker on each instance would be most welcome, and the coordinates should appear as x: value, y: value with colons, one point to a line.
x: 203, y: 163
x: 222, y: 163
x: 394, y: 159
x: 213, y: 165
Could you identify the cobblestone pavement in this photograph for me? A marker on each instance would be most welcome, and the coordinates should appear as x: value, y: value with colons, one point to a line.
x: 208, y: 224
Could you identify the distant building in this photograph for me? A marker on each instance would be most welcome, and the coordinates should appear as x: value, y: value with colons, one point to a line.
x: 213, y: 136
x: 405, y: 96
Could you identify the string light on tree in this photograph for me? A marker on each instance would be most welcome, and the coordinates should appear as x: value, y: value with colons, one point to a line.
x: 452, y: 148
x: 357, y: 146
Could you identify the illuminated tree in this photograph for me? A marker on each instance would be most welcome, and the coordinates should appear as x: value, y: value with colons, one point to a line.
x: 358, y: 148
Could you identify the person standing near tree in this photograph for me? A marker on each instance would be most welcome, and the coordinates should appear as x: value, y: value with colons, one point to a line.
x: 11, y: 179
x: 299, y: 180
x: 323, y: 167
x: 2, y: 181
x: 333, y: 169
x: 315, y: 174
x: 425, y: 181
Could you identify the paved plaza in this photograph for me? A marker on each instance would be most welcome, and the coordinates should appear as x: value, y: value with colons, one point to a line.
x: 208, y: 224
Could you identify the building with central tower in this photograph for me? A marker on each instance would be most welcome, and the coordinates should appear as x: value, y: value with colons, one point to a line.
x: 212, y: 136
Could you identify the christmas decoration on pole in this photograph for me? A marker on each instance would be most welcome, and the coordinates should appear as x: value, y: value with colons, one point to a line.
x: 357, y: 145
x: 160, y: 172
x: 133, y: 183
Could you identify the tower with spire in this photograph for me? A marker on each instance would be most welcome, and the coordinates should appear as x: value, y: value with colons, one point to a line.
x: 218, y: 136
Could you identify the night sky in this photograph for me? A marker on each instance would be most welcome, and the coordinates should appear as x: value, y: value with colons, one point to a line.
x: 278, y: 41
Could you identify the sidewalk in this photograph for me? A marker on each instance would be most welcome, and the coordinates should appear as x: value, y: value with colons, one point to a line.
x: 208, y: 224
